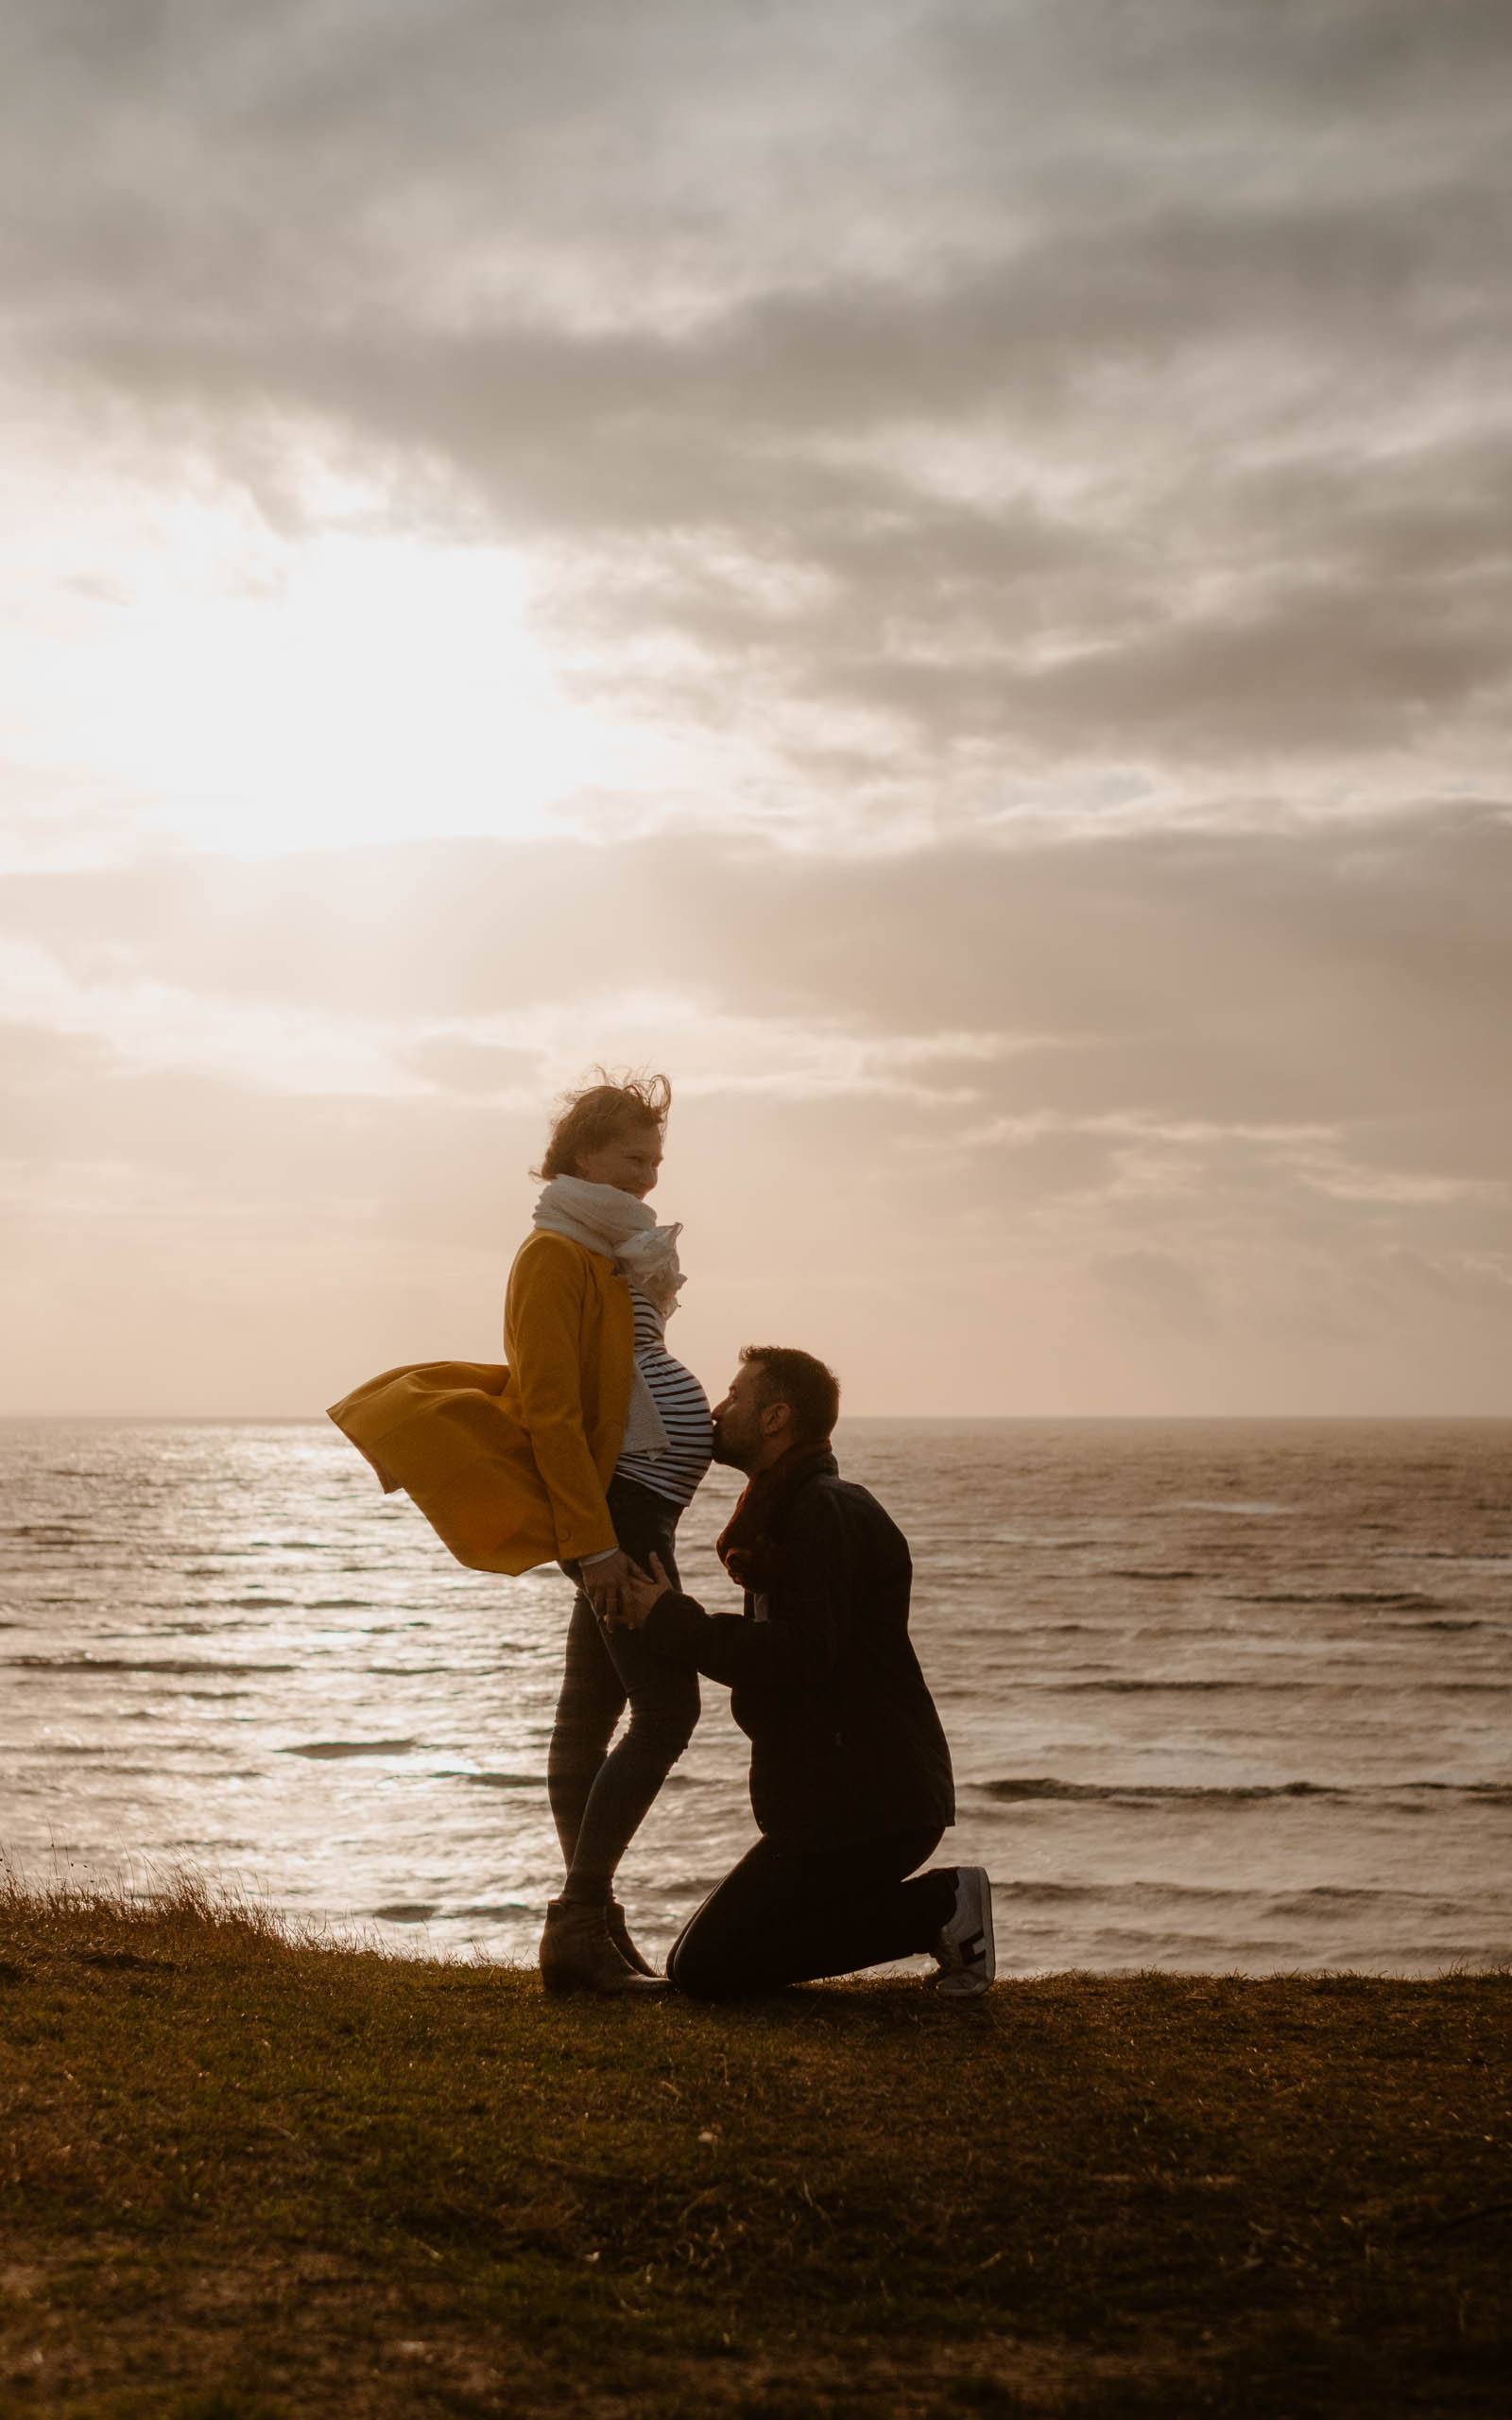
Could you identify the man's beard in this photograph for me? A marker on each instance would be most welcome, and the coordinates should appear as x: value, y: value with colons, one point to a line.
x: 727, y: 1452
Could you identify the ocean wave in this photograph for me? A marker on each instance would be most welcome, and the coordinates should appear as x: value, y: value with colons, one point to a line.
x: 1149, y: 1899
x: 1143, y: 1688
x: 1247, y: 1509
x: 1403, y: 1600
x: 174, y: 1668
x: 1333, y: 1898
x: 92, y: 1754
x: 325, y: 1749
x: 1037, y: 1786
x: 1471, y: 1621
x: 1133, y: 1895
x: 291, y: 1545
x: 1414, y: 1689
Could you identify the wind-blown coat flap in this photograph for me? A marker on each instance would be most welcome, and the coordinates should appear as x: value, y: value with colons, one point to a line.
x: 508, y: 1464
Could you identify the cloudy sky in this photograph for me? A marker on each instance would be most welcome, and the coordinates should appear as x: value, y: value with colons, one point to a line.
x: 942, y: 569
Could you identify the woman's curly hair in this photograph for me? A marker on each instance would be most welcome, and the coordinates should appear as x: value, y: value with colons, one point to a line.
x: 596, y: 1113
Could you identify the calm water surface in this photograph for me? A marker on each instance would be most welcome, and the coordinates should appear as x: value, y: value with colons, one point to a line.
x: 1222, y: 1695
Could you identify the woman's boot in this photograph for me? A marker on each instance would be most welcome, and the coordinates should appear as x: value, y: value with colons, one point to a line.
x: 619, y: 1933
x: 576, y: 1954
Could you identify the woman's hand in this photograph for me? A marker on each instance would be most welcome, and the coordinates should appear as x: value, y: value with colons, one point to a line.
x: 638, y: 1592
x: 603, y: 1584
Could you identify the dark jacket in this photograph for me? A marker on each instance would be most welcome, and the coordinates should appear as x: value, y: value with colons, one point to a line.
x: 845, y: 1742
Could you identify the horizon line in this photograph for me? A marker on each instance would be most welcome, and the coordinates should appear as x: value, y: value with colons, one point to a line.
x: 854, y: 1418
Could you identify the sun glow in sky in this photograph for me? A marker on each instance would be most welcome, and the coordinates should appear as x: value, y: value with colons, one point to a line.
x: 939, y: 571
x: 227, y: 687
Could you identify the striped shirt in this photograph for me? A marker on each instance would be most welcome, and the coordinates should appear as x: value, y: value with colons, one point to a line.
x: 684, y: 1409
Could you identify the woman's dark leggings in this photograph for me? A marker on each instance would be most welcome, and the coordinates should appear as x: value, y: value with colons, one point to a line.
x: 599, y: 1794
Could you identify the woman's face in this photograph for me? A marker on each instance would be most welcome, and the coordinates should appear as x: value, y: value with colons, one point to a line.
x: 629, y: 1159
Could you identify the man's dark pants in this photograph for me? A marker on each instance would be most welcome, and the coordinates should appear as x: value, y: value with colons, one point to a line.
x: 790, y: 1916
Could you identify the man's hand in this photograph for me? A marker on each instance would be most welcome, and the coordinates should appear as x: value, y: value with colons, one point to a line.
x: 638, y: 1594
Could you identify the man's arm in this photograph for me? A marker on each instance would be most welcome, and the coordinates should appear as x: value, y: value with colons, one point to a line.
x: 796, y: 1649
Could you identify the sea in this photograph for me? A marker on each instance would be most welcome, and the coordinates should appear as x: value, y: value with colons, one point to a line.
x: 1222, y: 1696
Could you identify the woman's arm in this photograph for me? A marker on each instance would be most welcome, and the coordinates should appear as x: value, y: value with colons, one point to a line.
x: 543, y: 1319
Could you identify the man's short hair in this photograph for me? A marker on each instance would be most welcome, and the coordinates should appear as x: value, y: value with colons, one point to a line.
x: 807, y: 1386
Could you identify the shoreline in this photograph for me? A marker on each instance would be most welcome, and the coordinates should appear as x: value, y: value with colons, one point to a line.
x: 254, y: 2175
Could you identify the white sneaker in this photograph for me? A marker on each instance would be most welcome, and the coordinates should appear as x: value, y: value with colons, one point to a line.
x: 963, y: 1945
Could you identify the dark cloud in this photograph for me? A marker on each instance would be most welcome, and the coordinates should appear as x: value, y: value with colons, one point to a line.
x: 1074, y: 384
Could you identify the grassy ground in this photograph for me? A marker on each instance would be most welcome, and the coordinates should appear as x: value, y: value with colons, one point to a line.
x: 246, y: 2178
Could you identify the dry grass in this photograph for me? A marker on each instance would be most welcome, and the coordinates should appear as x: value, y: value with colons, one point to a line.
x: 247, y: 2176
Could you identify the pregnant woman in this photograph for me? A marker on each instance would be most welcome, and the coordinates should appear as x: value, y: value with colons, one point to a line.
x: 589, y: 1297
x: 583, y: 1451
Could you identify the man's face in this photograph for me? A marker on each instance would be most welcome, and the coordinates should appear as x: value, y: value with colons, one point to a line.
x: 743, y: 1426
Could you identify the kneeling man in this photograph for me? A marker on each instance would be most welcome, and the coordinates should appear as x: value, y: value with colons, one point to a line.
x: 849, y: 1774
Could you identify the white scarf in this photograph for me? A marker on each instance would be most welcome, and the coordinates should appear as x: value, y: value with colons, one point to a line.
x: 605, y: 1220
x: 612, y: 1222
